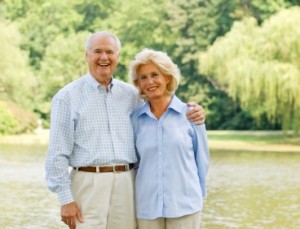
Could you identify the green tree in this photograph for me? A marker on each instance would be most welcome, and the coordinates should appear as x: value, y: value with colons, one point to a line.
x: 14, y: 68
x: 196, y: 25
x: 94, y: 13
x: 16, y: 96
x: 259, y: 67
x: 40, y: 22
x: 139, y: 26
x: 63, y: 62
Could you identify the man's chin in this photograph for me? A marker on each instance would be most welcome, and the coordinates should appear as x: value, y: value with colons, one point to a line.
x: 104, y: 74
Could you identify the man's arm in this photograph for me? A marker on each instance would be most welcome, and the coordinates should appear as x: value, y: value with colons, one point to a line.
x: 56, y: 164
x: 196, y: 114
x: 59, y: 150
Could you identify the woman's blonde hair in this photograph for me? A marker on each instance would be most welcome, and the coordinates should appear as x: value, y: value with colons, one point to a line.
x: 162, y: 61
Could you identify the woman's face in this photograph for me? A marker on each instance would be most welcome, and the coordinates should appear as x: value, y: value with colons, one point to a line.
x: 152, y: 81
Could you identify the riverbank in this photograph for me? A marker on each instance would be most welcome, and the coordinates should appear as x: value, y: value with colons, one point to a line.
x: 40, y: 136
x: 274, y: 141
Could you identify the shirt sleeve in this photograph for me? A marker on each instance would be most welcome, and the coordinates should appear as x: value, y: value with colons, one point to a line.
x: 201, y: 154
x: 59, y: 149
x: 134, y: 120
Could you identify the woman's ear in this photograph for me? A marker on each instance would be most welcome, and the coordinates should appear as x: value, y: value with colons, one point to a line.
x: 168, y: 79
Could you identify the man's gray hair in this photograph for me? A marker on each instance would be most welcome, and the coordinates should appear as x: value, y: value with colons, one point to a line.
x: 102, y: 34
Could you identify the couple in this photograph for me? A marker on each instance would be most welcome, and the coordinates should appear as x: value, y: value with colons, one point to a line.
x: 101, y: 128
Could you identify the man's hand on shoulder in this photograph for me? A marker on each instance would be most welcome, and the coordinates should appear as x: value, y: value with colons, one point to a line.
x: 196, y: 114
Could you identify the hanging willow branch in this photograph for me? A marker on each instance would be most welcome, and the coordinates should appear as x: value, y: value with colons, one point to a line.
x: 260, y: 67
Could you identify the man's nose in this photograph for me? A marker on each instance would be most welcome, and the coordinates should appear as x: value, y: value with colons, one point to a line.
x: 103, y: 55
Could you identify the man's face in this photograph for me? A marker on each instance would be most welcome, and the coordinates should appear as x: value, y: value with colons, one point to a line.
x: 102, y: 58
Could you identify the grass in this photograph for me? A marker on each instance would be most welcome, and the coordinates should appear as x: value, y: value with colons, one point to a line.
x: 254, y: 141
x: 39, y: 137
x: 256, y: 137
x: 275, y: 141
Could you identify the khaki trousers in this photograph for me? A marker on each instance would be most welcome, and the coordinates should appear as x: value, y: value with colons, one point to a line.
x: 185, y: 222
x: 106, y: 200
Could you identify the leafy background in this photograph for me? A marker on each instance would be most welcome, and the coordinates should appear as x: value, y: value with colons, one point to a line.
x: 239, y: 59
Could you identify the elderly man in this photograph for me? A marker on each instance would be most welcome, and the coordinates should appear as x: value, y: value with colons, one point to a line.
x: 91, y: 133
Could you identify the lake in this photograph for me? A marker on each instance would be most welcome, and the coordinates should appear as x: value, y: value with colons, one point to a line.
x: 245, y: 190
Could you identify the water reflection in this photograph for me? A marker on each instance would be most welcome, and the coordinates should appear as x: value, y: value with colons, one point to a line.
x: 25, y: 202
x: 253, y: 190
x: 245, y: 190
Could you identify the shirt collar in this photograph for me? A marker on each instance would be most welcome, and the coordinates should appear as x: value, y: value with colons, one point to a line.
x: 95, y: 84
x: 175, y: 105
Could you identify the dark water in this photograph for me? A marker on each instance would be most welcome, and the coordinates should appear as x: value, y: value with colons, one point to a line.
x: 245, y: 190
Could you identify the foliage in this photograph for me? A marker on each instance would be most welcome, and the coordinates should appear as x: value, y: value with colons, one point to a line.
x: 14, y: 68
x: 44, y: 39
x: 64, y: 62
x: 259, y: 67
x: 94, y: 13
x: 19, y: 97
x: 14, y: 120
x: 7, y: 121
x: 144, y: 27
x: 41, y: 22
x: 196, y: 25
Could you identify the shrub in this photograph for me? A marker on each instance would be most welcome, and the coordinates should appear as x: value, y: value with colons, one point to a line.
x: 15, y: 120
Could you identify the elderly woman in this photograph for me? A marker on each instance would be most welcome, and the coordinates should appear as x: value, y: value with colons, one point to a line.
x: 173, y: 152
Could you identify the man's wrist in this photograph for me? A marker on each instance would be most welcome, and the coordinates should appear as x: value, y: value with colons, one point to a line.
x: 65, y: 197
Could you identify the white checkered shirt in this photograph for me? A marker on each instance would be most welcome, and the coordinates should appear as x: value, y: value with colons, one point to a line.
x: 89, y: 126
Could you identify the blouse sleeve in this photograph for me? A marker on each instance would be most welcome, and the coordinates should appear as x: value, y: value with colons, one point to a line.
x: 202, y: 156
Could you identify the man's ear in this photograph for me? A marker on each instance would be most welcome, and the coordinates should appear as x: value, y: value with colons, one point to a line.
x: 86, y: 53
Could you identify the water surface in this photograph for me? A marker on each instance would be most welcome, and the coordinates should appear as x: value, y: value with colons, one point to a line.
x: 253, y: 190
x: 245, y: 190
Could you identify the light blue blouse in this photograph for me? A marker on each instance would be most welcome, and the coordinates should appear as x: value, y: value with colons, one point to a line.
x: 173, y: 162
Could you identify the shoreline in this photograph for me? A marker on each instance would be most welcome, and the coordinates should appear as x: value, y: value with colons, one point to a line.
x: 41, y: 136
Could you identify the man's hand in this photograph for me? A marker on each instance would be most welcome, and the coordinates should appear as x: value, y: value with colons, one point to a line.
x: 69, y: 213
x: 196, y: 114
